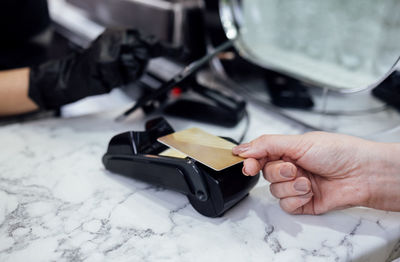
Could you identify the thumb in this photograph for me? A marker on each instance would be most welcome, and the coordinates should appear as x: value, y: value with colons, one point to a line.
x: 272, y: 147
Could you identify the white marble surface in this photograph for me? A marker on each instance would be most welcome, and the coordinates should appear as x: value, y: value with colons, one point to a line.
x: 58, y: 203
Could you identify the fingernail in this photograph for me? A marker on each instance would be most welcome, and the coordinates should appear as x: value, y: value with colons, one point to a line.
x: 244, y: 171
x: 301, y: 186
x: 241, y: 148
x: 286, y: 171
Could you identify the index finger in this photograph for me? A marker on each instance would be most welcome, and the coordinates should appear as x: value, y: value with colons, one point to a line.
x: 272, y: 147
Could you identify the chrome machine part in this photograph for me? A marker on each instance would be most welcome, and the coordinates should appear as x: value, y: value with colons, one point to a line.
x: 177, y: 22
x: 346, y: 46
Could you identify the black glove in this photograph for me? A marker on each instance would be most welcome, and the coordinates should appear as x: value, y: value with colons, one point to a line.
x: 115, y: 58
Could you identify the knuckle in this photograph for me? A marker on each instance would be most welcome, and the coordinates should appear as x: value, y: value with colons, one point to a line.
x: 272, y: 189
x: 268, y: 174
x: 265, y: 175
x: 298, y: 211
x: 259, y: 141
x: 286, y: 205
x: 291, y: 204
x: 264, y: 138
x: 315, y: 133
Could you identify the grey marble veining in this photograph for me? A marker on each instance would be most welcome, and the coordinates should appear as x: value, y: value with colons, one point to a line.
x: 58, y: 203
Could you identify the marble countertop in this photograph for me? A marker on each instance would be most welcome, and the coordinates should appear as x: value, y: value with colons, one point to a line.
x: 58, y: 203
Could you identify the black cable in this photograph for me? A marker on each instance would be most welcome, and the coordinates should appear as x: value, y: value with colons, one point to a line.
x: 188, y: 71
x: 361, y: 112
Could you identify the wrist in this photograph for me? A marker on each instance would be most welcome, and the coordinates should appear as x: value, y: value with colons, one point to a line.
x: 383, y: 180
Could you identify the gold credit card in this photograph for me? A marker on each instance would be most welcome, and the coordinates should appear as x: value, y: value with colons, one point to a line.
x: 172, y: 153
x: 208, y: 149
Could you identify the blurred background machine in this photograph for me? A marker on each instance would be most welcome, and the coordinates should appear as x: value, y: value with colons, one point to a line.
x: 177, y: 22
x: 313, y: 63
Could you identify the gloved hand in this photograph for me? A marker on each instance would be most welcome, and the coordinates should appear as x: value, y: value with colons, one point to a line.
x: 115, y: 58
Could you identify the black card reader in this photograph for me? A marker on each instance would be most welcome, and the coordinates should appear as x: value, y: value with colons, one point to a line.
x: 211, y: 193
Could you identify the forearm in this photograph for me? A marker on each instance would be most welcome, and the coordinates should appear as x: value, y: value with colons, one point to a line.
x: 384, y: 182
x: 14, y: 97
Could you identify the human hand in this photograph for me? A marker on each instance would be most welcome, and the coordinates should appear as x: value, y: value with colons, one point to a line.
x: 318, y: 172
x: 115, y: 58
